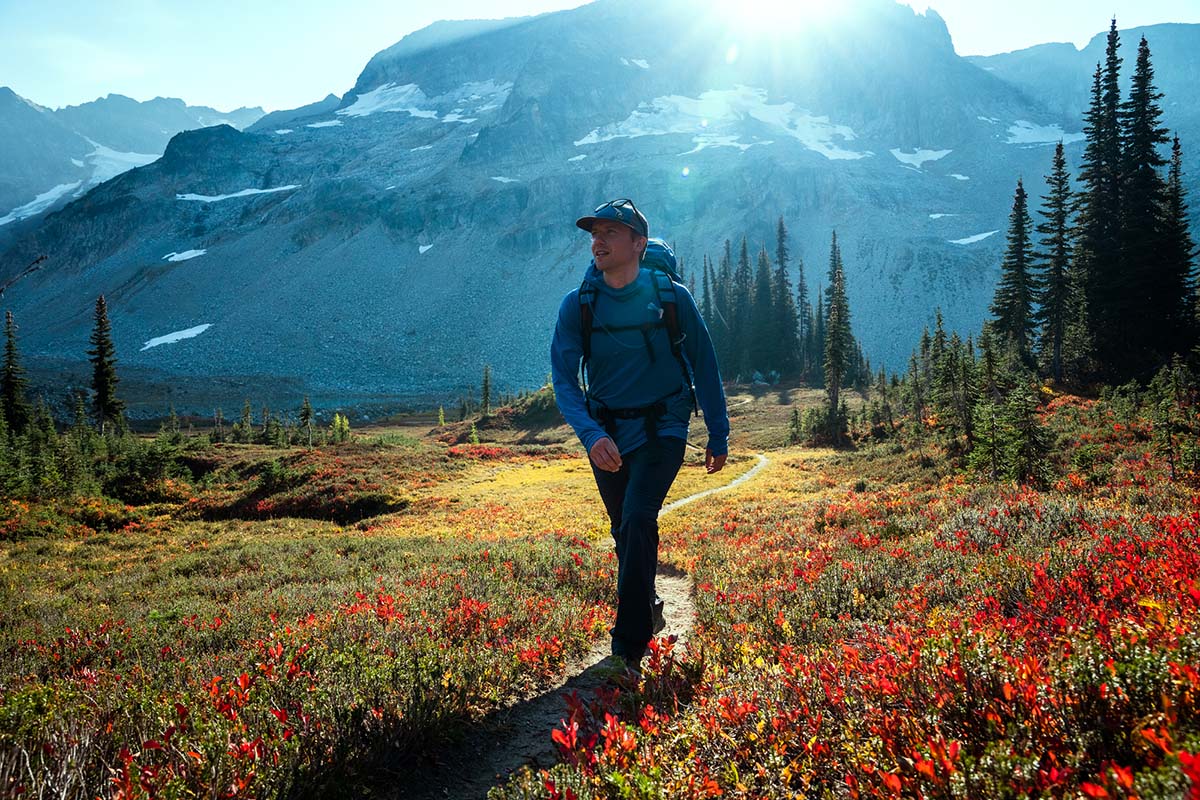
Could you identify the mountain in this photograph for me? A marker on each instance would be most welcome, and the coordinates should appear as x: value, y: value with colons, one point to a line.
x: 1060, y: 77
x: 49, y: 156
x: 278, y: 119
x: 391, y: 246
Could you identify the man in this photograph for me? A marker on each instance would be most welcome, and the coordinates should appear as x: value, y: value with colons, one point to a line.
x: 632, y: 416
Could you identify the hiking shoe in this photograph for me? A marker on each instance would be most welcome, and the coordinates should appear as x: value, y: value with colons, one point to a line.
x: 660, y: 621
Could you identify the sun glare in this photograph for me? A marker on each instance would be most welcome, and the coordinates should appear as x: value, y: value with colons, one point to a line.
x: 772, y: 14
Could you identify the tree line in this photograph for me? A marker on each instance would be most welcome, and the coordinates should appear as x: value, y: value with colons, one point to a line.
x: 97, y: 452
x: 1108, y: 291
x: 1107, y: 295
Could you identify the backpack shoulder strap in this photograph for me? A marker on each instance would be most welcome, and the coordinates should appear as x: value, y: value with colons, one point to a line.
x: 587, y: 305
x: 664, y: 289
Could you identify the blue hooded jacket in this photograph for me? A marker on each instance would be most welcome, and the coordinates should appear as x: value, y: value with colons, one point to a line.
x: 620, y: 369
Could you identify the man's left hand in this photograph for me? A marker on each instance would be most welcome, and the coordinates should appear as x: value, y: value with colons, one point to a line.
x: 713, y: 463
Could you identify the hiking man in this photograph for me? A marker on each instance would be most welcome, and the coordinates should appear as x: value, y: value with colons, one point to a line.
x: 641, y: 342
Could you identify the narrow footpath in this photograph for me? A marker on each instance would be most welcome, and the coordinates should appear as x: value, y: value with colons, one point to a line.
x: 519, y: 735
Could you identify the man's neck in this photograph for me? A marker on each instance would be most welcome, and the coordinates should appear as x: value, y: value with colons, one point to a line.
x: 620, y: 277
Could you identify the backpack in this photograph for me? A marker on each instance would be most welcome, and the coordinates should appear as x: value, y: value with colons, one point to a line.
x: 660, y: 259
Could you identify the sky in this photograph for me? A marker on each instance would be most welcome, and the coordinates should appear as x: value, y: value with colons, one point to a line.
x: 230, y: 53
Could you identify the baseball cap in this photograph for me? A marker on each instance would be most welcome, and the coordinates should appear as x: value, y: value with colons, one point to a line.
x: 623, y: 211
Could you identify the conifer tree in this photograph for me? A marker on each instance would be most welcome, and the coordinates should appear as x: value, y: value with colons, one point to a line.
x: 742, y: 307
x: 721, y: 308
x: 485, y: 391
x: 1052, y: 283
x: 1178, y: 248
x: 804, y: 312
x: 245, y: 425
x: 1026, y: 442
x: 706, y: 295
x: 816, y: 353
x: 306, y: 418
x: 108, y: 407
x: 441, y: 416
x: 1153, y: 292
x: 763, y: 336
x: 839, y: 342
x: 218, y: 425
x: 1012, y: 306
x: 13, y: 382
x: 1097, y: 240
x: 786, y: 327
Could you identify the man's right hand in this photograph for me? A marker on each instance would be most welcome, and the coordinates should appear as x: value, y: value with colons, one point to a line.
x: 605, y: 455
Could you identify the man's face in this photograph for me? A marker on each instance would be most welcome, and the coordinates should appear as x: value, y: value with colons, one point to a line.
x: 615, y: 245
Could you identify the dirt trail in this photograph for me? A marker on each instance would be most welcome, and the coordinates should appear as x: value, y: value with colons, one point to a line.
x: 519, y: 735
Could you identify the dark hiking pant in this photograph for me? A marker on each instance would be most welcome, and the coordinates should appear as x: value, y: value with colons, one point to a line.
x: 633, y: 496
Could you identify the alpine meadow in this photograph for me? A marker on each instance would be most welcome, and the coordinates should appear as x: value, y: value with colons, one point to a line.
x: 288, y: 508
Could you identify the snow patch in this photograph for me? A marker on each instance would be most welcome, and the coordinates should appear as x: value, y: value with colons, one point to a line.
x: 423, y: 147
x: 719, y: 141
x: 641, y: 62
x: 958, y: 177
x: 939, y: 216
x: 989, y: 120
x: 331, y: 123
x: 213, y: 198
x: 177, y: 336
x: 409, y: 98
x: 108, y: 163
x: 77, y: 162
x: 714, y: 116
x: 579, y: 157
x: 424, y: 247
x: 283, y: 131
x: 184, y: 256
x: 625, y: 61
x: 390, y: 98
x: 503, y: 179
x: 918, y: 157
x: 1025, y: 132
x: 40, y: 203
x: 979, y: 237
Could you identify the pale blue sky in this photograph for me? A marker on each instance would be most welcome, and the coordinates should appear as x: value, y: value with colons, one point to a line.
x: 227, y: 53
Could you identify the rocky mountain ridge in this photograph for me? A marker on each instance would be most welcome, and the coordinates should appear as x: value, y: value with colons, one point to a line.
x: 391, y: 246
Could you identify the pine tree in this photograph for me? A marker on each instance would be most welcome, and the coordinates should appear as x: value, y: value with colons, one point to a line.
x: 441, y: 416
x: 742, y: 307
x: 245, y: 431
x: 723, y: 330
x: 1012, y: 307
x: 108, y: 408
x: 1026, y: 442
x: 1153, y: 293
x: 1178, y: 248
x: 805, y: 333
x: 764, y: 337
x: 306, y: 418
x: 786, y: 328
x: 1052, y: 283
x: 706, y: 295
x: 13, y: 382
x: 218, y: 425
x: 485, y: 391
x: 1097, y: 240
x: 839, y: 342
x: 816, y: 355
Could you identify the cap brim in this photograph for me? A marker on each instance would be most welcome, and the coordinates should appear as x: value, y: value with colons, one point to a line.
x: 586, y: 223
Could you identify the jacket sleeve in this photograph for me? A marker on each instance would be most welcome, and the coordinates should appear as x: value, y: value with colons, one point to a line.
x: 710, y: 394
x: 566, y: 353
